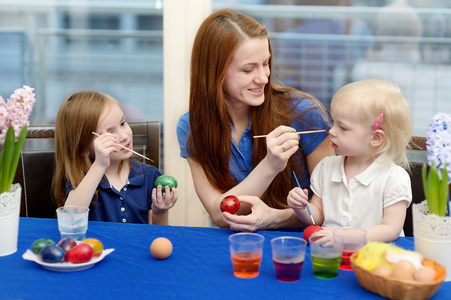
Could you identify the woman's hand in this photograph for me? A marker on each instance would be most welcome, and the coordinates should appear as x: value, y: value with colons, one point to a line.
x: 257, y: 219
x: 281, y: 144
x: 261, y: 216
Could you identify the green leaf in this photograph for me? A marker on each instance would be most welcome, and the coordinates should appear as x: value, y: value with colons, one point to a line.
x: 7, y: 154
x: 16, y: 154
x: 443, y: 193
x: 433, y: 190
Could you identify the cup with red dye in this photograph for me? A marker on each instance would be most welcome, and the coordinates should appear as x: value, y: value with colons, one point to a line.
x: 353, y: 239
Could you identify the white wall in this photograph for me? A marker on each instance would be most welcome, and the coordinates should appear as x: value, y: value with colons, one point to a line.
x: 181, y: 19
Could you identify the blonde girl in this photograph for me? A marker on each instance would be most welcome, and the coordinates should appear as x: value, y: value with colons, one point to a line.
x: 366, y: 184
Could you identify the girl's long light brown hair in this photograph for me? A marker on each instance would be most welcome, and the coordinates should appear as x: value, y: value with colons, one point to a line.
x: 77, y: 118
x: 209, y: 141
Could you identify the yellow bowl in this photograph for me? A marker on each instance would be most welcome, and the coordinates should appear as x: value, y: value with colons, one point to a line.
x: 395, y: 288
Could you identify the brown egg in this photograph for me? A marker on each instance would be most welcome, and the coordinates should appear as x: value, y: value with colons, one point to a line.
x: 404, y: 265
x: 404, y: 270
x: 382, y: 270
x: 424, y: 274
x: 403, y: 275
x: 161, y: 248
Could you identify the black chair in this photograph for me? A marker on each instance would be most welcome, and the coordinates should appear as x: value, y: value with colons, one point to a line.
x: 417, y: 196
x: 416, y: 182
x: 37, y: 163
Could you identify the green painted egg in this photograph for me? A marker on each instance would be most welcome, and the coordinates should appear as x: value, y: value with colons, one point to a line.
x: 37, y: 245
x: 166, y: 180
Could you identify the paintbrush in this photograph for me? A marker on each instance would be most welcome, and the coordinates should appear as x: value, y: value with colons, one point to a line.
x: 299, y: 132
x: 308, y: 209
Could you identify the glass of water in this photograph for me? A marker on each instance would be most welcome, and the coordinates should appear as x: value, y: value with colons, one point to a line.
x: 73, y: 222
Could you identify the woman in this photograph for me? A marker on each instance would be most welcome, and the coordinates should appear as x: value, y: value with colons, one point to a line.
x: 233, y: 99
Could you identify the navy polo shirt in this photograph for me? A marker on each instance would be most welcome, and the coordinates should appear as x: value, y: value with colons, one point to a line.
x: 241, y: 157
x: 128, y: 205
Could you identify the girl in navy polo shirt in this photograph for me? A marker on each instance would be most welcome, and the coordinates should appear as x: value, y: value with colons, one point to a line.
x: 95, y: 172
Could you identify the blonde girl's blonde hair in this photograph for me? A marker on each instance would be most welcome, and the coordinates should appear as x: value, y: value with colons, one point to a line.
x: 367, y: 99
x: 77, y: 118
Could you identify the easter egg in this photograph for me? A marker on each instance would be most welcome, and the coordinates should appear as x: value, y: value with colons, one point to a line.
x: 166, y: 180
x: 382, y: 270
x: 309, y: 231
x: 230, y: 204
x: 424, y: 274
x: 66, y: 244
x: 79, y: 254
x: 161, y: 248
x: 37, y: 245
x: 96, y: 245
x: 52, y: 254
x: 403, y: 270
x: 404, y: 266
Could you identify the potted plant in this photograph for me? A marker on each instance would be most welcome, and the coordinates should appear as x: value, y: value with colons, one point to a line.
x: 14, y: 116
x: 431, y: 218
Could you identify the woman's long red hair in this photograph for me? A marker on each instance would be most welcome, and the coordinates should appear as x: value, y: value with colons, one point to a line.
x: 209, y: 142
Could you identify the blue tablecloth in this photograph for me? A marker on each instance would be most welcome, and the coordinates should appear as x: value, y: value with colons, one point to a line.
x: 199, y: 268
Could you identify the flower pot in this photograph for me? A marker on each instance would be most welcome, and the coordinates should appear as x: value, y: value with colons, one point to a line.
x: 432, y: 235
x: 9, y: 219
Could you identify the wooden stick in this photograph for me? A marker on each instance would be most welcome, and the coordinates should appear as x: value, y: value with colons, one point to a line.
x: 299, y: 132
x: 132, y: 151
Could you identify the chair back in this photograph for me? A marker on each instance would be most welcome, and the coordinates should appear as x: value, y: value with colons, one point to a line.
x: 147, y: 141
x: 416, y: 182
x: 37, y: 164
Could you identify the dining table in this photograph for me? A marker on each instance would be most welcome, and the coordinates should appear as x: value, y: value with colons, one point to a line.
x: 199, y: 267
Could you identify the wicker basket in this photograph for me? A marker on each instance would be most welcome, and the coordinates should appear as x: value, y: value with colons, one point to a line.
x: 394, y: 288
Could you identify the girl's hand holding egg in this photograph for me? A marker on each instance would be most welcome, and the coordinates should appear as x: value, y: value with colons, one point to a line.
x: 164, y: 195
x: 307, y: 233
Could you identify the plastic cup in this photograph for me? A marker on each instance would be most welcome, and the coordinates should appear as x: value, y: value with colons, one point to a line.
x: 325, y: 252
x: 288, y: 255
x: 353, y: 239
x: 246, y: 251
x: 73, y: 222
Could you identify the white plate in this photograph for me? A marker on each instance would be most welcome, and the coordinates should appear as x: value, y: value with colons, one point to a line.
x: 65, y: 266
